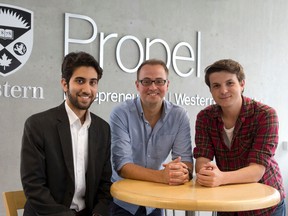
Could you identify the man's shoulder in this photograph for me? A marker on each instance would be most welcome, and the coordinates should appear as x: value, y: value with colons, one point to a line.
x: 173, y: 107
x: 125, y: 106
x: 98, y: 119
x: 47, y: 115
x: 47, y: 112
x: 175, y: 112
x: 253, y: 107
x: 211, y: 111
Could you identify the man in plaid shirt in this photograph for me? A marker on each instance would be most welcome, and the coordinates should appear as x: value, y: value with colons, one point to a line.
x: 240, y: 133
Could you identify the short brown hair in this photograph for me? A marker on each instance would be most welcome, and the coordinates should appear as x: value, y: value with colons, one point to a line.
x: 227, y: 65
x: 152, y: 62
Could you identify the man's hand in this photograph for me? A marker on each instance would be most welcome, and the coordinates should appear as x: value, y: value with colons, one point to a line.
x: 175, y: 172
x: 209, y: 175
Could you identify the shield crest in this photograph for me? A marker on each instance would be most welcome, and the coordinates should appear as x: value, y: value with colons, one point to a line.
x: 16, y: 38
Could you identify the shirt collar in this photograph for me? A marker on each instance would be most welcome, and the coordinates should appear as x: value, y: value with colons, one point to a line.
x: 167, y: 106
x: 246, y: 109
x: 73, y: 118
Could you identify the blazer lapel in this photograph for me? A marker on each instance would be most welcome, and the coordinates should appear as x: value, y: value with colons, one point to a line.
x: 65, y: 139
x: 92, y: 165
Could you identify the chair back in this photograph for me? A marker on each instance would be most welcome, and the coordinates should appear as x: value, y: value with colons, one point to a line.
x: 13, y: 201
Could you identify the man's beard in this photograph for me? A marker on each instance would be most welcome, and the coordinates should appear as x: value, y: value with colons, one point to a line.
x: 76, y: 104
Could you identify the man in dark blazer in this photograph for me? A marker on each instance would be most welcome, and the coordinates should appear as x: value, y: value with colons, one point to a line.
x: 65, y: 155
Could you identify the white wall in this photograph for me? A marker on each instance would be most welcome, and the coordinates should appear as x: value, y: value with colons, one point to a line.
x: 251, y: 32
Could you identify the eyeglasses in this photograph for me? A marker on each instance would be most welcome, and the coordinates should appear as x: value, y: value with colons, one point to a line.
x: 157, y: 82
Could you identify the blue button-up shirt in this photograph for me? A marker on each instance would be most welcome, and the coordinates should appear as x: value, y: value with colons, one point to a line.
x: 135, y: 141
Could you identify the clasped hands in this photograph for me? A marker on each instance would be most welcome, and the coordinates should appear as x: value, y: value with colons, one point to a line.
x: 175, y: 172
x: 209, y: 175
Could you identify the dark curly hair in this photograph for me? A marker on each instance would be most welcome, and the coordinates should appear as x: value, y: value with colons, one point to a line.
x: 74, y: 60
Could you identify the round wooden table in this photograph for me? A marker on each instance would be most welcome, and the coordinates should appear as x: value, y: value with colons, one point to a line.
x: 193, y: 197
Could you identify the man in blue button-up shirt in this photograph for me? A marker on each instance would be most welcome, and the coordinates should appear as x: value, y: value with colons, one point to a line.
x: 144, y: 131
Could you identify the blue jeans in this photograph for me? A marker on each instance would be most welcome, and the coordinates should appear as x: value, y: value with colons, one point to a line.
x: 116, y: 210
x: 280, y: 209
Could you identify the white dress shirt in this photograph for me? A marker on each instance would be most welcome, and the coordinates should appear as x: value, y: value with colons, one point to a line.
x: 79, y: 134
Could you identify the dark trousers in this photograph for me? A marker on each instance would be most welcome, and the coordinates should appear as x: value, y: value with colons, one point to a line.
x: 279, y: 211
x: 81, y: 213
x: 118, y: 211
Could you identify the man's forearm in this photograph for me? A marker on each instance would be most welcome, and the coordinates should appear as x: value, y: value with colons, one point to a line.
x: 133, y: 171
x: 200, y: 162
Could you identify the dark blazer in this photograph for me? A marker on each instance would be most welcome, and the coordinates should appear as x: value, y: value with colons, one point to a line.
x: 47, y: 171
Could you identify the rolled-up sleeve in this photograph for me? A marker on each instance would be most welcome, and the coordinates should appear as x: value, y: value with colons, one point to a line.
x: 182, y: 145
x: 266, y: 138
x: 120, y: 140
x: 203, y: 143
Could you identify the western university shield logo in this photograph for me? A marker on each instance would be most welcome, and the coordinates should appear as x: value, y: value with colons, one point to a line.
x: 16, y: 38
